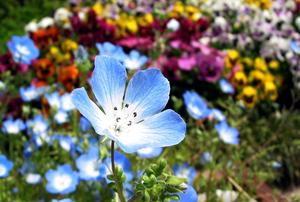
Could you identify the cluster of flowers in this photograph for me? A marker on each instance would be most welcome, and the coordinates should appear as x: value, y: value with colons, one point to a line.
x: 243, y: 47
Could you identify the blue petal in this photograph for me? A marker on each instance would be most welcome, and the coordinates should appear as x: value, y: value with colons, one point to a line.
x: 108, y: 83
x: 163, y: 129
x: 295, y: 47
x: 147, y: 93
x: 89, y: 110
x: 189, y: 195
x: 195, y: 105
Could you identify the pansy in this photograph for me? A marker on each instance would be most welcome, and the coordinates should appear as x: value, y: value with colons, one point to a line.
x: 226, y: 133
x: 23, y: 49
x: 134, y: 60
x: 195, y: 105
x: 189, y: 195
x: 149, y: 152
x: 226, y: 87
x: 88, y: 164
x: 63, y: 180
x: 185, y: 171
x: 11, y: 126
x: 5, y: 166
x: 134, y: 120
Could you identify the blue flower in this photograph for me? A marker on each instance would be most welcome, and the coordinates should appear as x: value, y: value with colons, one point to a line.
x: 88, y: 164
x: 23, y: 49
x: 11, y: 126
x: 136, y: 121
x: 65, y: 142
x: 62, y: 200
x: 33, y: 178
x: 5, y: 166
x: 217, y: 114
x: 189, y: 195
x: 111, y: 50
x: 66, y: 102
x: 205, y: 158
x: 226, y: 133
x: 38, y: 125
x: 149, y: 152
x: 31, y: 93
x: 54, y: 100
x: 63, y: 180
x: 135, y: 60
x: 195, y: 105
x: 226, y: 87
x: 84, y: 124
x: 185, y: 171
x: 294, y: 45
x: 61, y: 117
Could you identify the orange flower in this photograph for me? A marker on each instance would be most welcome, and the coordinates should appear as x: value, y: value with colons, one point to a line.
x: 69, y: 76
x: 44, y: 68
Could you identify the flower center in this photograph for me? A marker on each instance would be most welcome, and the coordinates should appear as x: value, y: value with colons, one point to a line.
x: 123, y: 119
x: 2, y: 170
x: 62, y: 182
x: 23, y: 50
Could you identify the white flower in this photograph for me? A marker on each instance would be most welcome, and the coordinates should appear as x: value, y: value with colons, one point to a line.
x: 227, y: 196
x: 62, y: 16
x: 46, y: 22
x: 31, y: 27
x: 173, y: 25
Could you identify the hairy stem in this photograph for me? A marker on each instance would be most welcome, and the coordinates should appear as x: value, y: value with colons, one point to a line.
x: 119, y: 187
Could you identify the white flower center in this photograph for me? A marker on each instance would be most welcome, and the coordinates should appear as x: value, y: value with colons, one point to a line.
x: 23, y: 50
x: 13, y: 129
x: 2, y: 170
x: 91, y: 168
x: 123, y: 119
x: 132, y: 63
x: 62, y: 182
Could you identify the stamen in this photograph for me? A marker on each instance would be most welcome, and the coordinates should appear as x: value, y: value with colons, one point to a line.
x: 134, y: 114
x: 115, y: 108
x: 126, y: 105
x: 118, y: 119
x: 129, y: 124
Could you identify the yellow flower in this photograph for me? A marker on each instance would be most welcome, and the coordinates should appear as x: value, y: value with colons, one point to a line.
x: 192, y: 12
x: 97, y: 7
x: 178, y: 10
x: 54, y: 51
x: 247, y: 61
x: 270, y: 91
x: 260, y: 64
x: 274, y: 64
x: 257, y: 77
x: 265, y: 4
x: 239, y: 79
x: 248, y: 96
x: 145, y: 20
x: 69, y: 45
x: 233, y: 55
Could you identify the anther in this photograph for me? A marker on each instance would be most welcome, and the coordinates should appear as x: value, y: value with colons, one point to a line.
x: 129, y: 123
x: 115, y: 108
x: 118, y: 119
x: 126, y: 105
x: 134, y: 114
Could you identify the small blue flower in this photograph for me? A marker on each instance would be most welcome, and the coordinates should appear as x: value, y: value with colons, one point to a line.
x: 62, y: 200
x: 66, y: 102
x: 31, y: 93
x: 88, y: 164
x: 294, y: 45
x: 61, y: 117
x: 81, y: 54
x: 195, y: 105
x: 33, y: 178
x: 226, y: 87
x: 135, y: 60
x: 149, y: 152
x: 185, y: 171
x: 189, y: 195
x: 136, y: 121
x: 38, y: 125
x: 226, y: 133
x: 11, y: 126
x: 65, y: 142
x: 205, y: 158
x: 54, y: 100
x: 217, y: 114
x: 111, y: 50
x: 5, y: 166
x: 63, y: 180
x: 23, y: 49
x: 84, y: 124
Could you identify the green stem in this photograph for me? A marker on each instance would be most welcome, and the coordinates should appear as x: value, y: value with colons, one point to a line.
x: 118, y: 184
